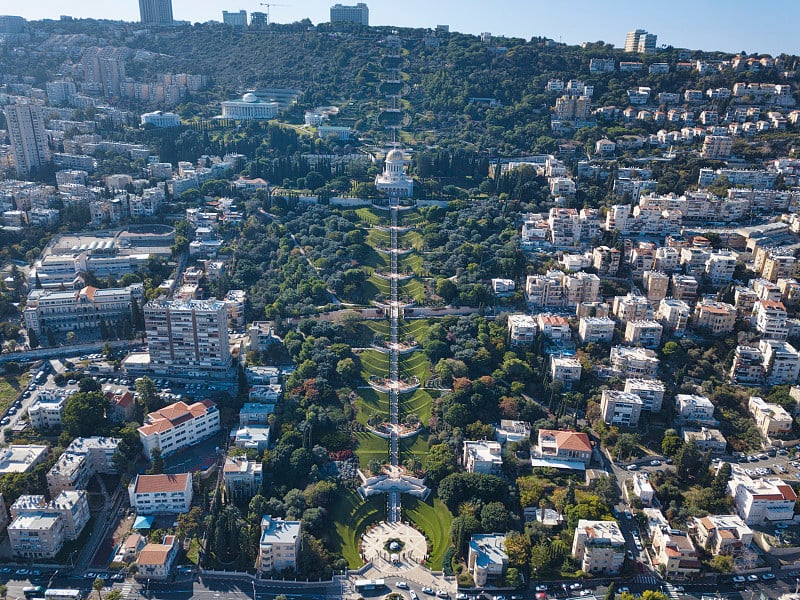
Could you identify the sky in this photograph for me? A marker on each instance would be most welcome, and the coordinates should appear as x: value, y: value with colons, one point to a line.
x: 729, y: 25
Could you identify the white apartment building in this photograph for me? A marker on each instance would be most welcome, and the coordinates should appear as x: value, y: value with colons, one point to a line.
x: 522, y: 330
x: 772, y: 419
x: 684, y: 287
x: 566, y: 369
x: 599, y: 546
x: 554, y: 327
x: 771, y: 319
x: 255, y: 413
x: 644, y: 333
x: 545, y: 290
x: 675, y: 553
x: 74, y: 509
x: 279, y: 544
x: 559, y: 447
x: 631, y: 308
x: 161, y: 494
x: 242, y: 477
x: 251, y: 437
x: 487, y: 558
x: 581, y: 287
x: 747, y: 365
x: 620, y: 408
x: 188, y: 337
x: 780, y: 362
x: 650, y: 391
x: 29, y: 143
x: 674, y: 315
x: 762, y: 500
x: 717, y: 146
x: 21, y: 458
x: 155, y: 560
x: 596, y: 330
x: 483, y: 456
x: 634, y: 362
x: 720, y: 266
x: 642, y: 488
x: 706, y: 439
x: 37, y: 535
x: 358, y: 13
x: 178, y: 426
x: 47, y: 409
x: 723, y: 534
x: 694, y: 408
x: 513, y: 431
x: 716, y: 317
x: 235, y: 304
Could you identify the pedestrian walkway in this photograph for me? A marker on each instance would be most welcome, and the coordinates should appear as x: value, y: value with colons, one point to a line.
x: 647, y: 580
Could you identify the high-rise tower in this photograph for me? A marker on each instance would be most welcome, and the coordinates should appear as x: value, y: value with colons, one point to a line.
x: 28, y: 137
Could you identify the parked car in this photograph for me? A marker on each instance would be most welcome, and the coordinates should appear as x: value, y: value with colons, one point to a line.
x: 624, y: 590
x: 427, y: 590
x: 413, y: 595
x: 768, y: 576
x: 576, y: 586
x: 752, y: 578
x: 655, y: 463
x: 442, y: 594
x: 633, y: 467
x: 401, y: 585
x: 541, y: 587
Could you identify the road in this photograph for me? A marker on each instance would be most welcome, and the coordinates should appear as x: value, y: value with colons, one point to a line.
x: 65, y: 351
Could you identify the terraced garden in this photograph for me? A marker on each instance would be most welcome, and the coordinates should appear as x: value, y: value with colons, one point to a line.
x: 419, y: 403
x: 352, y: 515
x: 434, y: 519
x: 415, y: 365
x: 370, y: 447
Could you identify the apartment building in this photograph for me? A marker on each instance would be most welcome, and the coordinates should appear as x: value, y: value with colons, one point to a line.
x: 606, y: 260
x: 483, y: 456
x: 522, y: 330
x: 513, y: 431
x: 631, y: 308
x: 554, y: 327
x: 598, y: 546
x: 634, y: 362
x: 644, y: 333
x: 620, y: 408
x: 29, y: 143
x: 771, y: 319
x: 581, y: 287
x: 779, y: 266
x: 161, y: 494
x: 21, y: 458
x: 358, y: 13
x: 566, y: 369
x: 747, y: 365
x: 545, y: 291
x: 487, y: 559
x: 155, y: 561
x: 718, y: 318
x: 47, y: 409
x: 694, y: 408
x: 706, y: 439
x: 762, y: 500
x: 242, y: 477
x: 596, y: 330
x: 780, y: 362
x: 178, y: 426
x: 557, y: 446
x: 188, y: 337
x: 650, y: 391
x: 279, y: 544
x: 656, y: 284
x: 684, y: 287
x: 723, y: 534
x: 720, y: 267
x: 675, y: 553
x: 772, y: 419
x: 73, y: 506
x: 673, y: 315
x: 717, y: 147
x: 37, y: 535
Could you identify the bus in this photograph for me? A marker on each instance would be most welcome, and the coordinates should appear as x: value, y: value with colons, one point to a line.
x: 369, y: 584
x: 33, y: 591
x: 63, y: 594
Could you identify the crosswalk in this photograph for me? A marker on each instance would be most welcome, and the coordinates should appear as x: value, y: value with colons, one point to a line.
x: 647, y: 580
x: 126, y: 589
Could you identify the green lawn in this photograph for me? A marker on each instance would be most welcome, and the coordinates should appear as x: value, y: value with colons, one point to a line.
x: 370, y: 216
x: 410, y: 239
x: 351, y: 515
x: 418, y: 329
x: 379, y: 239
x: 374, y: 363
x: 371, y: 447
x: 382, y: 286
x: 415, y: 446
x: 376, y: 260
x: 409, y: 218
x: 433, y: 518
x: 418, y: 403
x: 380, y: 327
x: 413, y: 262
x: 412, y: 287
x: 416, y: 364
x: 369, y: 401
x: 10, y: 387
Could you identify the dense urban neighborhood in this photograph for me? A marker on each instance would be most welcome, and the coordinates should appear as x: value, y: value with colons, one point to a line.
x: 352, y: 311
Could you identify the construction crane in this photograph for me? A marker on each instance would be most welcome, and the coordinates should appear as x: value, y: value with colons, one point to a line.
x: 268, y: 4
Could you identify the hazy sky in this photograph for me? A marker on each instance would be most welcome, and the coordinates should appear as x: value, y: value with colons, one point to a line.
x: 731, y: 25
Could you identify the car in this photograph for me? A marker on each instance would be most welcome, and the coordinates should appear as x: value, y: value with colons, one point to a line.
x: 668, y: 461
x: 444, y: 594
x: 585, y: 593
x: 655, y: 463
x: 36, y: 572
x: 752, y: 578
x: 413, y: 595
x: 576, y: 586
x: 5, y: 421
x: 763, y: 456
x: 629, y: 554
x: 781, y: 451
x: 541, y: 588
x: 679, y: 588
x: 72, y: 382
x: 121, y: 576
x: 768, y: 576
x: 90, y: 575
x: 752, y: 458
x: 638, y: 545
x: 462, y: 596
x: 5, y: 570
x: 401, y: 585
x: 633, y: 467
x: 628, y: 514
x: 772, y: 452
x: 21, y: 572
x: 494, y: 597
x: 427, y: 590
x: 624, y: 590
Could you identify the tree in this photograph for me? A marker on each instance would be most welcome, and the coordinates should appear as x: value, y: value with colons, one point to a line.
x: 494, y: 517
x: 719, y: 485
x: 540, y: 559
x: 461, y: 530
x: 189, y: 523
x: 3, y: 590
x: 98, y: 585
x: 517, y: 549
x: 439, y: 463
x: 670, y: 444
x: 688, y: 461
x: 114, y: 595
x: 446, y: 289
x: 33, y: 339
x: 87, y: 384
x: 85, y: 414
x: 148, y: 394
x: 721, y: 563
x: 156, y: 462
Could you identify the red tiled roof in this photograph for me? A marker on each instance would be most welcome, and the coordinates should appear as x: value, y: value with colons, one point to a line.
x: 173, y: 415
x: 569, y: 440
x: 148, y: 484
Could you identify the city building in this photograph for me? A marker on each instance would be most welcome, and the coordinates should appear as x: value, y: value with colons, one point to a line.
x: 706, y: 440
x: 596, y: 330
x: 487, y: 559
x: 640, y: 41
x: 178, y: 426
x: 717, y: 318
x: 235, y: 19
x: 656, y: 285
x: 250, y: 108
x: 717, y: 147
x: 644, y: 333
x: 37, y: 535
x: 762, y: 500
x: 253, y: 437
x: 483, y: 456
x: 631, y: 308
x: 21, y: 458
x: 675, y: 553
x: 394, y: 181
x: 358, y: 13
x: 47, y: 409
x: 651, y: 392
x: 620, y: 408
x: 155, y: 560
x: 780, y: 362
x: 160, y: 118
x: 684, y: 287
x: 155, y: 12
x: 279, y: 544
x: 554, y: 327
x: 161, y: 494
x: 642, y: 488
x: 598, y: 546
x: 242, y: 477
x: 561, y: 449
x: 29, y: 144
x: 674, y: 315
x: 747, y: 365
x: 772, y: 419
x: 723, y: 534
x: 80, y: 461
x: 513, y: 431
x: 694, y: 408
x: 634, y: 362
x: 566, y: 369
x: 188, y: 338
x: 522, y: 330
x: 606, y: 260
x: 771, y: 319
x: 73, y: 505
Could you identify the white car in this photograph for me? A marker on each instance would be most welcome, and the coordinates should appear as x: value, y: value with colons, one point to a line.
x: 401, y: 585
x: 738, y: 579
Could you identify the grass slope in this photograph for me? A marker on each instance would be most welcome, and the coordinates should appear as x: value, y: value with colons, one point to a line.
x: 369, y: 401
x: 351, y: 515
x: 370, y: 447
x: 419, y: 403
x: 433, y: 519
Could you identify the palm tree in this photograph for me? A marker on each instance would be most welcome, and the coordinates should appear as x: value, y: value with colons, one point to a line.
x: 97, y: 586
